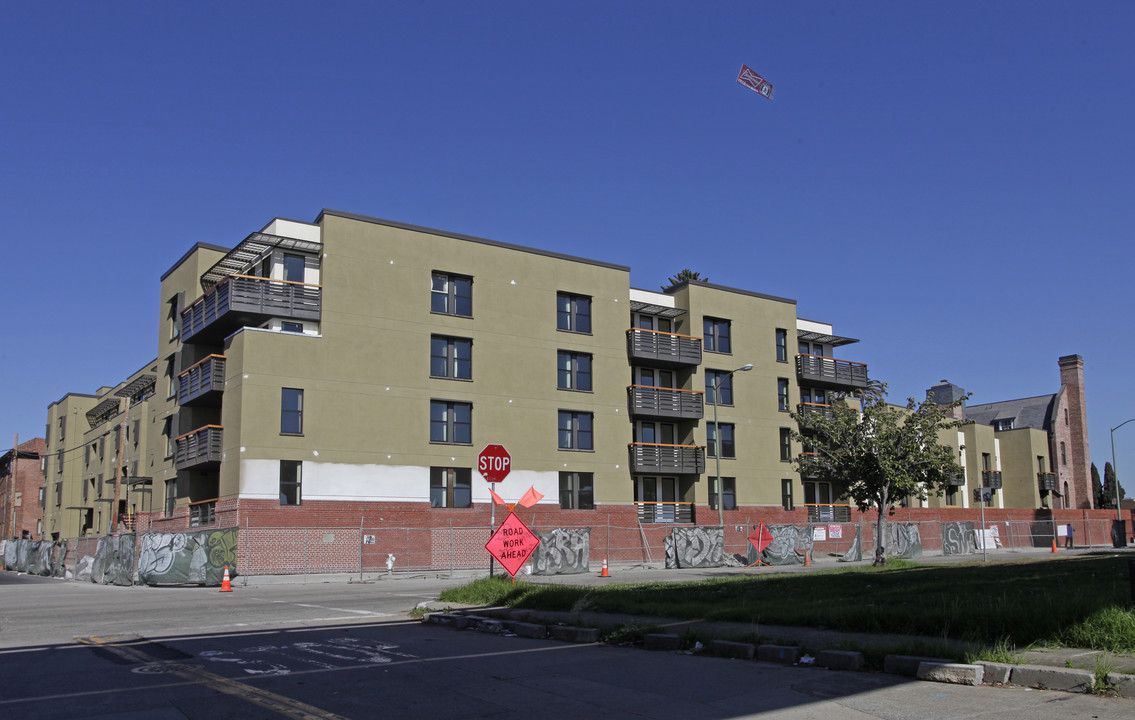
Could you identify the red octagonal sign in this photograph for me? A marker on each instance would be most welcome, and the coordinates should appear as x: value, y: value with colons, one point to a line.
x: 512, y: 544
x: 494, y: 463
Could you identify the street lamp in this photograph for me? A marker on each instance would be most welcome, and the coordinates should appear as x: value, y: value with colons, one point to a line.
x: 1114, y: 468
x: 717, y: 448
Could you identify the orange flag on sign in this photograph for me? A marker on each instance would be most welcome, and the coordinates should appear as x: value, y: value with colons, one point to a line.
x: 497, y: 498
x: 530, y: 498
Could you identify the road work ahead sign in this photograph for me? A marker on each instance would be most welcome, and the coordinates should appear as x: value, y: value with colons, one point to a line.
x: 512, y: 544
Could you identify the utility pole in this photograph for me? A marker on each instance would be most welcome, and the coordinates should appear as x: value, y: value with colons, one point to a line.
x: 12, y: 481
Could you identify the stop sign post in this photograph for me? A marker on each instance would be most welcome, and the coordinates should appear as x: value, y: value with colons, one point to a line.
x: 494, y: 463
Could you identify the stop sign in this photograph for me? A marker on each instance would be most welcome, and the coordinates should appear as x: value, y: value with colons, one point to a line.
x: 494, y: 463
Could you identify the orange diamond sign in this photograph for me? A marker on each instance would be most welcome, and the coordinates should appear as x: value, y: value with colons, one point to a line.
x: 512, y: 544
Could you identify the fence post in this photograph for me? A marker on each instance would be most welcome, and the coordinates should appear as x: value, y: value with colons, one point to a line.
x: 1088, y: 530
x: 452, y: 549
x: 361, y: 519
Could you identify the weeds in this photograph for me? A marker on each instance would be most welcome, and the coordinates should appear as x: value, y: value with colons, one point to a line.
x: 1001, y: 651
x: 1101, y: 685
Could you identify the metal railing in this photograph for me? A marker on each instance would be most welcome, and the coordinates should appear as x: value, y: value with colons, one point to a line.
x: 828, y: 513
x: 664, y: 512
x: 829, y: 372
x: 667, y: 459
x: 647, y: 401
x: 198, y: 447
x: 203, y: 513
x: 204, y: 376
x: 251, y: 296
x: 663, y: 348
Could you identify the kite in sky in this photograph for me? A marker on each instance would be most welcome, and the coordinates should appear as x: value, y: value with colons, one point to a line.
x: 753, y: 81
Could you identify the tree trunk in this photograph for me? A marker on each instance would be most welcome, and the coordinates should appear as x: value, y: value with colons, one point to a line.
x: 881, y: 535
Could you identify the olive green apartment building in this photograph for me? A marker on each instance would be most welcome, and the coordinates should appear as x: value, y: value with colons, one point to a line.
x: 322, y: 374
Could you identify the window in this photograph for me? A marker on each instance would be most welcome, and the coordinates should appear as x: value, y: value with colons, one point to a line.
x: 724, y: 392
x: 172, y: 315
x: 728, y: 449
x: 58, y: 494
x: 573, y: 313
x: 171, y: 376
x: 291, y: 327
x: 450, y: 488
x: 781, y: 345
x: 716, y: 335
x: 577, y: 491
x: 786, y: 494
x: 573, y: 371
x: 1063, y: 455
x: 951, y: 495
x: 62, y: 427
x: 291, y: 475
x: 575, y: 430
x: 87, y: 488
x: 782, y: 394
x: 451, y: 422
x: 167, y: 433
x: 291, y: 411
x: 1004, y: 424
x: 59, y: 462
x: 785, y: 445
x: 293, y: 268
x: 452, y: 295
x: 451, y: 358
x: 730, y: 493
x: 171, y: 496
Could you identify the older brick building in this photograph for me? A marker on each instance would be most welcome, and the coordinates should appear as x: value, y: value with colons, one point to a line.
x: 21, y: 483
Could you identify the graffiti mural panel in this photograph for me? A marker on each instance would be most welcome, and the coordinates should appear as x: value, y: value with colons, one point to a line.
x: 695, y: 547
x: 562, y: 551
x: 178, y: 558
x: 958, y: 538
x: 789, y: 545
x: 906, y: 541
x: 114, y: 560
x: 855, y: 552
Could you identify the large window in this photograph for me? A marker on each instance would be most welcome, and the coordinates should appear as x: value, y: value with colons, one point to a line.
x: 730, y: 495
x: 575, y: 430
x: 293, y: 268
x: 716, y: 335
x: 452, y: 294
x: 291, y: 411
x: 573, y: 371
x: 291, y: 475
x: 171, y: 497
x: 786, y: 494
x: 450, y: 488
x: 577, y: 491
x: 451, y: 357
x: 451, y: 422
x: 785, y: 445
x: 781, y: 345
x: 728, y: 447
x: 782, y: 394
x: 573, y: 313
x: 722, y: 395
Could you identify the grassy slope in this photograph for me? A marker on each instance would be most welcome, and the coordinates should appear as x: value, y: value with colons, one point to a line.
x: 1077, y: 601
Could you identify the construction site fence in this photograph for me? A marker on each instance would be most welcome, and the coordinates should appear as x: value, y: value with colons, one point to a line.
x: 371, y: 550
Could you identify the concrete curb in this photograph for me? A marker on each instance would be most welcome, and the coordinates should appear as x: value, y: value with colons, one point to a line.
x: 1051, y: 678
x: 956, y: 673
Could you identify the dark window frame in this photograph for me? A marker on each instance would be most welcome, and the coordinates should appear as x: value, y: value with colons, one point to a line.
x: 726, y: 389
x: 291, y: 483
x: 446, y: 429
x: 728, y: 442
x: 729, y: 489
x: 569, y: 378
x: 782, y: 397
x: 573, y: 313
x: 455, y: 298
x: 573, y: 436
x: 577, y: 491
x: 781, y: 345
x: 785, y: 445
x: 291, y: 411
x: 451, y: 364
x: 786, y: 500
x: 716, y: 333
x: 451, y: 488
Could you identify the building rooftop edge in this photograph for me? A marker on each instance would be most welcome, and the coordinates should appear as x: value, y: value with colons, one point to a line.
x: 196, y: 246
x: 726, y: 288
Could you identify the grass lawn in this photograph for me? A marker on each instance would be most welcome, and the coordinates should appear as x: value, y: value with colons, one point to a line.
x: 1082, y: 601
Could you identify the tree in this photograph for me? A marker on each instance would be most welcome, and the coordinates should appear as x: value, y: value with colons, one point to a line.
x: 880, y: 454
x: 1109, y: 488
x: 686, y: 275
x: 1098, y: 498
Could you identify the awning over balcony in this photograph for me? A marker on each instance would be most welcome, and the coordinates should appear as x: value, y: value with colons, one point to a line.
x: 656, y: 310
x: 833, y: 340
x: 106, y: 409
x: 252, y: 247
x: 136, y: 385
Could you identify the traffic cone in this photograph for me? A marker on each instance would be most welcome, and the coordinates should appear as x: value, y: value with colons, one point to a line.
x: 604, y: 573
x: 227, y: 586
x: 807, y: 559
x: 1053, y: 544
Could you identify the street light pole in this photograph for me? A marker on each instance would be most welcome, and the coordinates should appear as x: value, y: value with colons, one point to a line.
x: 717, y: 448
x: 1114, y: 468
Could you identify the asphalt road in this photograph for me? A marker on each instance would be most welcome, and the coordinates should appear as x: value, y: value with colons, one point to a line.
x: 77, y: 650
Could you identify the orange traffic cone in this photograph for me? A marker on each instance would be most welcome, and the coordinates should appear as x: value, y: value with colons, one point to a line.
x: 604, y: 573
x: 807, y: 559
x: 1053, y: 544
x: 226, y: 586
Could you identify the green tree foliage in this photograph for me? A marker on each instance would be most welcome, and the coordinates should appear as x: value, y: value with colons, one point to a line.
x: 1098, y: 498
x: 1109, y: 481
x: 686, y: 275
x: 879, y: 455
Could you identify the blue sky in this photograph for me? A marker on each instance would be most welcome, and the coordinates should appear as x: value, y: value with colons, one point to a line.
x: 952, y: 183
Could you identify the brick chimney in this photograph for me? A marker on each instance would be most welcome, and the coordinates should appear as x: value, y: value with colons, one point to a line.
x: 1070, y: 433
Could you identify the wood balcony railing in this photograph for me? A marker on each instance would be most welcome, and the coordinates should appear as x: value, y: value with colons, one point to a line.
x: 245, y: 299
x: 1046, y: 481
x: 664, y: 512
x: 203, y: 513
x: 657, y: 402
x: 662, y: 349
x: 657, y: 458
x: 991, y: 479
x: 198, y: 447
x: 204, y: 380
x: 828, y: 372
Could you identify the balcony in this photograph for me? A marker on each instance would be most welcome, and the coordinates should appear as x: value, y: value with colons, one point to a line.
x: 828, y: 372
x: 1046, y: 481
x: 665, y: 403
x: 655, y: 458
x: 203, y: 383
x: 829, y: 513
x: 662, y: 349
x: 805, y: 411
x: 241, y: 300
x: 197, y: 448
x: 665, y: 512
x: 991, y: 479
x: 203, y: 514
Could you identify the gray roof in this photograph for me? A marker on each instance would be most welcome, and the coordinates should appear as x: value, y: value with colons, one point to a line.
x: 1034, y: 412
